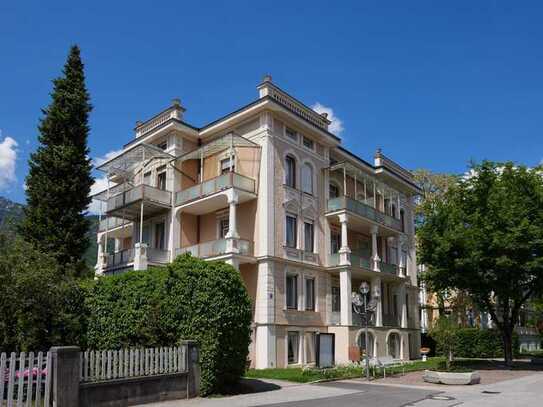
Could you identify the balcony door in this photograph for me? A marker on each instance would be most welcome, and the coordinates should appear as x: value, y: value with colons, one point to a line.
x: 161, y: 180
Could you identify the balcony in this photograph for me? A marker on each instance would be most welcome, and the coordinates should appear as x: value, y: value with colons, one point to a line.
x: 127, y: 204
x: 391, y: 320
x: 217, y: 248
x: 112, y: 223
x: 209, y: 195
x: 120, y: 259
x: 363, y: 210
x: 388, y: 268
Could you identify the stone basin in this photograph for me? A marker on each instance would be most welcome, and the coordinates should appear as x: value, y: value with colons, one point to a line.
x: 454, y: 378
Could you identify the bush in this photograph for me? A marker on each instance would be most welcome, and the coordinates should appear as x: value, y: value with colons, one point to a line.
x: 40, y: 306
x: 479, y: 343
x: 189, y: 299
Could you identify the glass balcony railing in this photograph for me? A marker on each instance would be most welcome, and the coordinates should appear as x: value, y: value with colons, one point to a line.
x: 364, y: 210
x: 209, y: 187
x: 112, y: 222
x: 216, y: 248
x: 155, y: 255
x: 388, y: 268
x: 137, y: 193
x: 120, y: 258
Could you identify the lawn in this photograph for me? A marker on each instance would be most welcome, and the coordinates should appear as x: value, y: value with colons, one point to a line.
x: 300, y: 375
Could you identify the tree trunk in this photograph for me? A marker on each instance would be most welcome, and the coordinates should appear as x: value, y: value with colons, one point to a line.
x: 507, y: 336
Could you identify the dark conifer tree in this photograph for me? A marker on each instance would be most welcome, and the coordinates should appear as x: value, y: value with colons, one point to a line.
x: 59, y: 179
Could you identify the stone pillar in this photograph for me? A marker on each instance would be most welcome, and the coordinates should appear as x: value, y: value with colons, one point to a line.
x: 101, y: 258
x: 66, y: 371
x: 193, y: 367
x: 374, y: 253
x: 376, y: 293
x: 345, y: 292
x: 344, y: 251
x: 399, y: 256
x: 403, y: 306
x: 265, y: 350
x: 232, y: 220
x: 234, y: 262
x: 175, y: 233
x: 140, y: 256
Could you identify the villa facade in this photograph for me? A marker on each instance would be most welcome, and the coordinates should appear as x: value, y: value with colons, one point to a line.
x: 268, y: 189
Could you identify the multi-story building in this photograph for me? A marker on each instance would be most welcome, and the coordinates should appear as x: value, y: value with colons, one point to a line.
x: 268, y: 189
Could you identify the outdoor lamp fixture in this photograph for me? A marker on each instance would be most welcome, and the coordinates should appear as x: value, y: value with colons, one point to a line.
x: 362, y: 308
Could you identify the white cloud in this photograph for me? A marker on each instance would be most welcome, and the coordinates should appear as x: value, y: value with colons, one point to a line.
x: 107, y: 156
x: 336, y: 126
x: 8, y: 156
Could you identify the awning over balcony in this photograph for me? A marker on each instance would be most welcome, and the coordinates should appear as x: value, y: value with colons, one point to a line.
x: 226, y: 142
x: 129, y: 162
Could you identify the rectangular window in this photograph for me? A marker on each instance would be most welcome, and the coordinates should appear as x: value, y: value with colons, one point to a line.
x: 308, y: 143
x: 309, y: 236
x: 291, y: 134
x: 226, y: 165
x: 310, y: 294
x: 223, y: 227
x: 161, y: 181
x: 336, y: 303
x: 293, y: 339
x: 335, y: 242
x: 292, y: 291
x: 292, y: 236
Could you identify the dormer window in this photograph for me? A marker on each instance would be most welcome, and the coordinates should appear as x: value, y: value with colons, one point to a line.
x: 308, y: 143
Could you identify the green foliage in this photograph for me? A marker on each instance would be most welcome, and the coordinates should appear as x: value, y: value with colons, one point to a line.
x: 476, y: 343
x: 190, y: 299
x: 39, y: 306
x: 444, y: 333
x: 59, y: 178
x: 484, y: 236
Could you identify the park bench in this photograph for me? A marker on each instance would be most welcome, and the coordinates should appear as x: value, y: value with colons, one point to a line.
x: 384, y: 362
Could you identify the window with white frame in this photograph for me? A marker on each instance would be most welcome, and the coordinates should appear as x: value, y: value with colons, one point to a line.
x: 334, y: 191
x: 309, y: 236
x: 308, y: 143
x: 307, y: 178
x: 291, y: 134
x: 227, y: 165
x: 309, y: 294
x: 290, y: 171
x: 223, y: 227
x: 293, y: 345
x: 291, y: 237
x: 292, y: 291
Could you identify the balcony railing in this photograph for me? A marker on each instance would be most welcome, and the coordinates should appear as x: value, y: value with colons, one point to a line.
x: 360, y: 261
x: 209, y: 187
x: 158, y: 255
x: 216, y: 248
x: 391, y: 320
x: 388, y: 268
x: 112, y: 222
x: 120, y: 258
x: 366, y: 211
x: 137, y: 193
x: 358, y: 320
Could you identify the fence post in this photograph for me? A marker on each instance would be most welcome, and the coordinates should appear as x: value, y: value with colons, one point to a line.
x: 66, y: 371
x: 193, y: 368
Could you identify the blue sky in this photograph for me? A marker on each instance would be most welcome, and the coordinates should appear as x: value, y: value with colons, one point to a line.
x: 433, y: 84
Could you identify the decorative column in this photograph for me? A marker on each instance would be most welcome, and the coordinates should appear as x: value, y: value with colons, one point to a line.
x: 376, y: 294
x: 344, y: 251
x: 232, y: 235
x: 140, y: 256
x: 403, y: 306
x: 345, y: 293
x: 399, y: 244
x: 175, y: 233
x: 265, y: 339
x: 101, y: 262
x: 374, y: 254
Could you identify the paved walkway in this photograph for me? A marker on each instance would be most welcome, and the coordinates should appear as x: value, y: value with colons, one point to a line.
x: 524, y: 391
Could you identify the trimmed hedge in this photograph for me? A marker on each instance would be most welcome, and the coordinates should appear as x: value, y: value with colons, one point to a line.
x: 479, y: 343
x: 189, y: 299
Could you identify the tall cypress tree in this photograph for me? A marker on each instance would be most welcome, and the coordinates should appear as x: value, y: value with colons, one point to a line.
x: 59, y: 179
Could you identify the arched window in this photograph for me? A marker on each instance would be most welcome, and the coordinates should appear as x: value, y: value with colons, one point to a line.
x: 307, y: 178
x: 290, y: 171
x: 334, y: 191
x: 362, y: 344
x: 394, y: 345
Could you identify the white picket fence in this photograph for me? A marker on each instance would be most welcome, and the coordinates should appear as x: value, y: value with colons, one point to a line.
x: 25, y: 379
x: 117, y: 364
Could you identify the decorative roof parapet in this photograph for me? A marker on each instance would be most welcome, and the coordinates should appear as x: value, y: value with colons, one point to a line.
x: 267, y: 88
x: 380, y: 160
x: 175, y: 111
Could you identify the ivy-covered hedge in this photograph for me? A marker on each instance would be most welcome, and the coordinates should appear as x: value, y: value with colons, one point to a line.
x: 189, y: 299
x: 479, y: 343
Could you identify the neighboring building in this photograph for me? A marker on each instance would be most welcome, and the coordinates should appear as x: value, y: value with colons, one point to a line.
x: 468, y: 316
x: 268, y: 189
